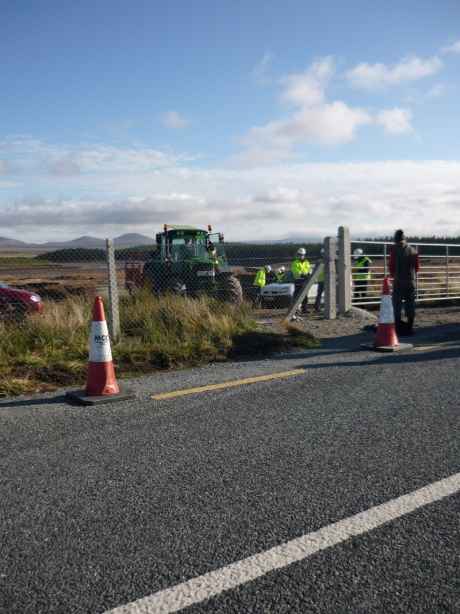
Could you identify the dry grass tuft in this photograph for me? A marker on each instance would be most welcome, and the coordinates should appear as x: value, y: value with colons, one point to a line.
x: 51, y: 350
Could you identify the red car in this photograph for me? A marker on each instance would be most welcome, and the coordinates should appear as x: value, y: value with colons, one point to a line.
x: 17, y: 302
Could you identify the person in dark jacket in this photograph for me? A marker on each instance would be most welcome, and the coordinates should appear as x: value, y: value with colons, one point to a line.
x: 404, y: 266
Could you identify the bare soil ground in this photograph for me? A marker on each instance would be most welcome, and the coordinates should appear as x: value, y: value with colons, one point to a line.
x: 59, y: 281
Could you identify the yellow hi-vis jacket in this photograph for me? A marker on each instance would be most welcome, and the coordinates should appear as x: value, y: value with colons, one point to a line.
x: 260, y: 278
x: 361, y: 267
x: 300, y: 267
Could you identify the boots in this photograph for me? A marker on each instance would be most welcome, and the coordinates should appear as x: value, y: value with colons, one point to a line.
x: 410, y: 326
x: 405, y: 329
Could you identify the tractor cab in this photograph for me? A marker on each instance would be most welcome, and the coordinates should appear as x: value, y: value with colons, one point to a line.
x: 184, y: 243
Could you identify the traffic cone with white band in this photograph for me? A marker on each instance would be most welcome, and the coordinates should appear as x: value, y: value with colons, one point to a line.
x: 101, y: 383
x: 101, y: 378
x: 386, y: 336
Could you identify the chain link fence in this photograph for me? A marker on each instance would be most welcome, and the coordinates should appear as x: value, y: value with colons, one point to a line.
x: 181, y: 261
x: 29, y: 283
x: 198, y: 263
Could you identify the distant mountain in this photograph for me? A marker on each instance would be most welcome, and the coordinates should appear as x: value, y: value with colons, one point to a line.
x: 5, y: 242
x: 86, y: 242
x: 133, y: 239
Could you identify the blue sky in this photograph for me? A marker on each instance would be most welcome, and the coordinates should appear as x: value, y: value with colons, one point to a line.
x: 268, y: 118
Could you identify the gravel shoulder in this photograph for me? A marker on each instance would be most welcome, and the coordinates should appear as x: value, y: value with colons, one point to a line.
x: 435, y: 324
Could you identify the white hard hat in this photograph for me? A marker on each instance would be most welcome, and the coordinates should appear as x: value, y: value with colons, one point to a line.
x: 301, y: 251
x: 281, y: 269
x: 268, y: 268
x: 358, y: 252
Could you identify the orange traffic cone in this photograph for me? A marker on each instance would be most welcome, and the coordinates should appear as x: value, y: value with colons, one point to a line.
x: 386, y: 336
x: 101, y: 383
x: 101, y: 378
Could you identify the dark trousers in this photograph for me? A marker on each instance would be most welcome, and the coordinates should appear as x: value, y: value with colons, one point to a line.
x: 319, y: 294
x: 299, y: 283
x: 360, y: 289
x: 404, y: 295
x: 256, y: 296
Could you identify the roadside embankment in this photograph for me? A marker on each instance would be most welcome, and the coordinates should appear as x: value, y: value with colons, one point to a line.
x: 49, y: 351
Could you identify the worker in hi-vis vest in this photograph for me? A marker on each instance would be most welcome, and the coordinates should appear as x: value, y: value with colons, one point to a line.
x: 263, y: 277
x: 300, y: 266
x: 361, y: 273
x: 280, y: 274
x: 300, y: 269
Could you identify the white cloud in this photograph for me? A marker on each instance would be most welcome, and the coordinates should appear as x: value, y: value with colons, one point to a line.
x: 454, y: 48
x: 314, y: 120
x: 327, y: 124
x: 261, y: 71
x: 173, y: 119
x: 97, y: 213
x: 35, y: 156
x: 307, y: 88
x: 376, y: 76
x: 395, y: 121
x: 331, y: 123
x: 107, y: 159
x: 307, y: 200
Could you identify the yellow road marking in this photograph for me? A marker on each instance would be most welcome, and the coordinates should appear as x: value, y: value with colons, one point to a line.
x: 422, y: 348
x: 230, y: 384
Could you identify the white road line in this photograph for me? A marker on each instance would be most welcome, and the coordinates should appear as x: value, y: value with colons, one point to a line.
x: 198, y: 589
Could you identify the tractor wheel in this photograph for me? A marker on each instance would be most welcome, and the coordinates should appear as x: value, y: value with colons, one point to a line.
x: 175, y: 286
x: 230, y: 290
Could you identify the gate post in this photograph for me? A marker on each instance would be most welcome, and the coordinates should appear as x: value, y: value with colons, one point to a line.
x: 344, y: 270
x: 330, y: 278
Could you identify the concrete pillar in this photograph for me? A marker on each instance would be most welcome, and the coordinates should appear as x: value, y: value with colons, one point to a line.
x: 344, y: 270
x: 330, y: 278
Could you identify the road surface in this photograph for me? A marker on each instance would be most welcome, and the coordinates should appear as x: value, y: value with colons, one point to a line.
x: 342, y: 476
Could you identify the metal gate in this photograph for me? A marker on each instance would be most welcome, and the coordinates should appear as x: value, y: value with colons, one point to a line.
x: 437, y: 280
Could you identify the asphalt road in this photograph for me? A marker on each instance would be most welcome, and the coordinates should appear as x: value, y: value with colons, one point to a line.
x: 101, y: 507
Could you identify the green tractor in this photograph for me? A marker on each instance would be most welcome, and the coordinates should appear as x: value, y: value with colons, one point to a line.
x: 191, y: 261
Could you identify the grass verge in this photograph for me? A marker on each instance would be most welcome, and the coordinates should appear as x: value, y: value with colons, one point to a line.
x: 49, y: 351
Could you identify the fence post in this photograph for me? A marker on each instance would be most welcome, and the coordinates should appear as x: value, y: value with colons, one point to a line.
x: 447, y: 271
x: 114, y: 313
x: 330, y: 278
x: 344, y: 271
x: 385, y: 266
